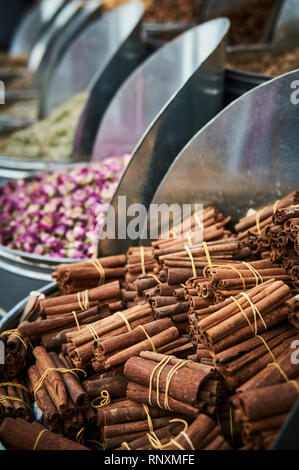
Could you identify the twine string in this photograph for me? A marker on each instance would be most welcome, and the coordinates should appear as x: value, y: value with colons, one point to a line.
x: 38, y: 438
x: 148, y: 337
x: 97, y: 265
x: 105, y: 400
x: 61, y: 370
x: 192, y: 260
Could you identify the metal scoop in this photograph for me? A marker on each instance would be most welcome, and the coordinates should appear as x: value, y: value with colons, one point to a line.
x: 163, y: 103
x: 246, y: 157
x: 88, y: 55
x: 32, y: 25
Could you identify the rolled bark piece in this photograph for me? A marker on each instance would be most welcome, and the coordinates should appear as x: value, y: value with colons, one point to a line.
x: 197, y: 434
x: 268, y: 211
x: 115, y: 386
x: 37, y: 328
x: 18, y: 434
x: 76, y: 392
x: 43, y: 399
x: 53, y: 380
x: 160, y: 333
x: 125, y: 412
x: 164, y: 435
x: 266, y: 401
x: 68, y: 303
x: 184, y: 385
x: 140, y: 394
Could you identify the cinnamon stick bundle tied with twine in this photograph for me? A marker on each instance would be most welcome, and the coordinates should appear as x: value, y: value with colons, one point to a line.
x: 18, y: 353
x: 293, y: 308
x: 255, y: 223
x: 80, y: 343
x: 39, y: 328
x: 245, y: 315
x: 116, y: 350
x: 126, y: 421
x: 15, y: 399
x: 202, y: 434
x: 264, y: 410
x: 158, y: 439
x: 76, y: 277
x: 55, y: 383
x: 280, y: 370
x: 208, y: 225
x: 81, y: 301
x: 173, y: 384
x: 243, y: 361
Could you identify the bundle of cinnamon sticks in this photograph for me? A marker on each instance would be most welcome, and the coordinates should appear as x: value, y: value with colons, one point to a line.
x: 75, y: 277
x: 108, y: 294
x: 173, y: 384
x: 17, y: 354
x: 80, y: 343
x: 262, y: 412
x: 15, y: 400
x: 126, y: 421
x: 58, y: 392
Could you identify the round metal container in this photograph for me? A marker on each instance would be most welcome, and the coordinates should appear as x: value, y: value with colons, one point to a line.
x: 238, y: 82
x: 155, y: 35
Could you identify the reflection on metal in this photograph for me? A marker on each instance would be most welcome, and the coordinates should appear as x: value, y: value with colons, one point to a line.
x: 155, y: 35
x: 11, y: 320
x: 244, y: 158
x: 144, y: 94
x: 162, y: 105
x: 89, y: 54
x: 286, y: 32
x: 122, y: 52
x: 87, y: 14
x: 33, y: 23
x: 15, y: 168
x: 46, y: 40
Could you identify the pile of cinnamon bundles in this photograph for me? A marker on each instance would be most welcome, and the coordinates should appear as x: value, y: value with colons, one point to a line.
x: 173, y: 346
x: 15, y: 400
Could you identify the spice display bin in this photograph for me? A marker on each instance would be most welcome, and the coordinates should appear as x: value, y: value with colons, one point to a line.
x: 122, y: 49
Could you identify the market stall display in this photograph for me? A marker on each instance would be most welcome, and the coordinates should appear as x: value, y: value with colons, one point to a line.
x: 149, y: 234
